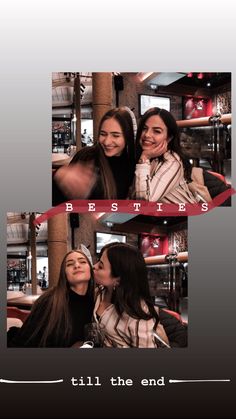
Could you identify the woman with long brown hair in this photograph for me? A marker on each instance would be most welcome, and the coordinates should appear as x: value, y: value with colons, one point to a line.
x: 124, y: 308
x: 105, y: 170
x: 163, y: 174
x: 58, y: 317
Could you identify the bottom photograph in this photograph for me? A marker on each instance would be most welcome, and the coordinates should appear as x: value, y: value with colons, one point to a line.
x: 101, y: 280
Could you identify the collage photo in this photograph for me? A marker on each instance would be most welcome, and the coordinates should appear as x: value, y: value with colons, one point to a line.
x: 118, y: 279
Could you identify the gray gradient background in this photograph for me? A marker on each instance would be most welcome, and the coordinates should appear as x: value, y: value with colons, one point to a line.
x: 37, y: 39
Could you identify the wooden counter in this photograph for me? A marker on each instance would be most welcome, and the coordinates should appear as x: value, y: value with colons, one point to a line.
x: 60, y: 159
x: 24, y: 302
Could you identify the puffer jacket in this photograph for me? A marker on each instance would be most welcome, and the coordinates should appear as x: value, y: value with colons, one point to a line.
x: 216, y: 186
x: 175, y: 330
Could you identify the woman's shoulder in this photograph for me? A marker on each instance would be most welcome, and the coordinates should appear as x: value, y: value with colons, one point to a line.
x: 146, y: 308
x: 172, y: 156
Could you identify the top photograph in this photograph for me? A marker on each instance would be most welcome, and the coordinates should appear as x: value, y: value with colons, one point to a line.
x: 158, y: 137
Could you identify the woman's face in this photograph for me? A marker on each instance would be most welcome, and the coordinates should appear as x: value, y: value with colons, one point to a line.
x: 154, y: 133
x: 77, y: 269
x: 111, y: 138
x: 102, y: 272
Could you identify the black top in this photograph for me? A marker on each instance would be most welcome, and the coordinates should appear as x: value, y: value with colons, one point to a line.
x: 81, y: 311
x: 123, y: 174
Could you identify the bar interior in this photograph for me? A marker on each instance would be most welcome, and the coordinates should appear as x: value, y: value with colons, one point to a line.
x: 199, y: 101
x: 35, y: 253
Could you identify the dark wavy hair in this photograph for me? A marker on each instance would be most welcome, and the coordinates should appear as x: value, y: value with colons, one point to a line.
x: 173, y: 135
x: 55, y: 322
x: 128, y: 264
x: 101, y: 162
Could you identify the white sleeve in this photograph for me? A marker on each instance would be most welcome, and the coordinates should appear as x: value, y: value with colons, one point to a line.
x: 142, y: 181
x: 166, y: 178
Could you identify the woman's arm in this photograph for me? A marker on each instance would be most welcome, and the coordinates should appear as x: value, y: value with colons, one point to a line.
x: 164, y: 179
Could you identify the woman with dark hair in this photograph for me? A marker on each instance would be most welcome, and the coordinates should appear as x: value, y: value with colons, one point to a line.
x: 124, y: 307
x: 58, y: 317
x: 162, y: 172
x: 105, y: 170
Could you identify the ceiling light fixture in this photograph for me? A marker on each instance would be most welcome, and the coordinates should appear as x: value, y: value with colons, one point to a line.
x: 109, y: 224
x: 153, y: 86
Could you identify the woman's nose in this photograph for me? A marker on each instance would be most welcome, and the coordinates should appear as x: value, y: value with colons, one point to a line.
x: 107, y: 139
x: 147, y: 133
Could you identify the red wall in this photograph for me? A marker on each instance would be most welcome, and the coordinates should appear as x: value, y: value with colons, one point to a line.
x: 147, y: 248
x: 197, y: 107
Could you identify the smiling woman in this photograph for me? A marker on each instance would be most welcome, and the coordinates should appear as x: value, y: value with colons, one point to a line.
x: 162, y: 172
x: 111, y: 138
x: 105, y: 170
x: 78, y: 273
x: 58, y: 317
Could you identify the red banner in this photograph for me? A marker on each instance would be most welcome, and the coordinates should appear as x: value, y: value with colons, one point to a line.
x: 135, y: 207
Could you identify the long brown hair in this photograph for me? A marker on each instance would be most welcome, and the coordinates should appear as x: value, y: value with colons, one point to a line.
x: 173, y: 134
x: 128, y: 264
x: 96, y: 155
x: 53, y: 305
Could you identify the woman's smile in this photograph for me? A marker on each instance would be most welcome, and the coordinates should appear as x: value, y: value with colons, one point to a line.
x: 111, y: 138
x: 147, y: 143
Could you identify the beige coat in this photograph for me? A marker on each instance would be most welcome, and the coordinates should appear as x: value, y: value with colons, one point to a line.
x: 125, y: 331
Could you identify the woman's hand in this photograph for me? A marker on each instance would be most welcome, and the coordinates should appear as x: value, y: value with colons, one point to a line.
x: 76, y: 180
x: 154, y: 151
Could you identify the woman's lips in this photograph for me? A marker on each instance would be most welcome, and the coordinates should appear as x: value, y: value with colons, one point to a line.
x: 110, y: 148
x: 147, y: 143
